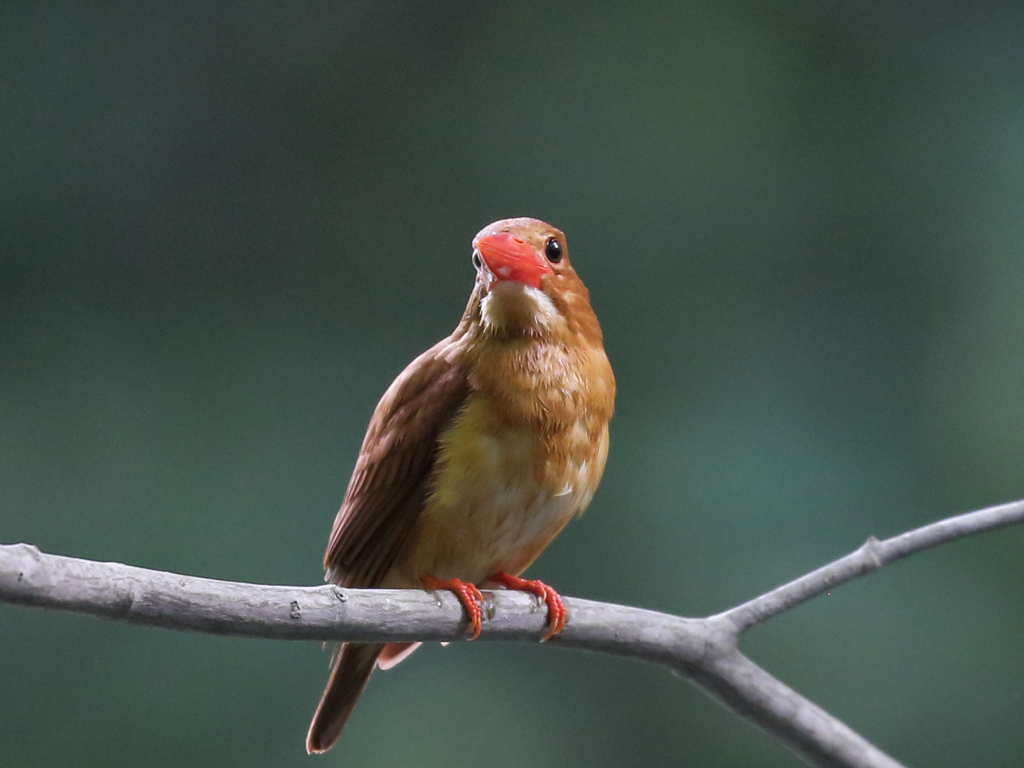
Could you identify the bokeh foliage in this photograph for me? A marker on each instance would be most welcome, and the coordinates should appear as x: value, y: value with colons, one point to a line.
x: 225, y: 227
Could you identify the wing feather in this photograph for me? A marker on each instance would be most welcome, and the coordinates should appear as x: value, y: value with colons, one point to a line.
x: 390, y: 482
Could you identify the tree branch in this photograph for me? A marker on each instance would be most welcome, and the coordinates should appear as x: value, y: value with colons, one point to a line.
x: 703, y: 650
x: 871, y: 556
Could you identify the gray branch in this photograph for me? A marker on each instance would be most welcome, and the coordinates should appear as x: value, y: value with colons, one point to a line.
x: 870, y: 557
x: 703, y: 650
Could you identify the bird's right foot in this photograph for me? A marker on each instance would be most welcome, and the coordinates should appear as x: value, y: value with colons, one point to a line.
x: 470, y: 597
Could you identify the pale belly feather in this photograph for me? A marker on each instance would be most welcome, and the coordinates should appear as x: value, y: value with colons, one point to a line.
x: 499, y: 496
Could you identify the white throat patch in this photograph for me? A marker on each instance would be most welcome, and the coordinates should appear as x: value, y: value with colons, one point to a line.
x: 514, y: 304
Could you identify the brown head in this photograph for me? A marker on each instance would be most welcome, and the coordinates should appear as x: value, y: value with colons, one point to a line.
x: 526, y: 284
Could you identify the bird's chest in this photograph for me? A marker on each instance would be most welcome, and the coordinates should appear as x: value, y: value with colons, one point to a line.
x: 517, y: 463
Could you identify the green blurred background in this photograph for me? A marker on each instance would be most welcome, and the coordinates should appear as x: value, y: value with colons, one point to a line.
x: 225, y: 227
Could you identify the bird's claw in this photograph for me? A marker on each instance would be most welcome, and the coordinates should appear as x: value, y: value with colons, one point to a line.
x: 468, y: 594
x: 544, y: 593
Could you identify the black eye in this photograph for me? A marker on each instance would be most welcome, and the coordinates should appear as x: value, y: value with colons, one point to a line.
x: 476, y: 260
x: 553, y: 250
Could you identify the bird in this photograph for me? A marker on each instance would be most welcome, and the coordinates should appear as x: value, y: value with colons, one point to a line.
x: 478, y: 454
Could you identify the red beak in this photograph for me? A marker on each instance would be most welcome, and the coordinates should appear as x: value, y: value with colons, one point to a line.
x: 508, y: 257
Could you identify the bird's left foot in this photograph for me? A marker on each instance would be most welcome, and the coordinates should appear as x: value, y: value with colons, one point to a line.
x: 544, y: 593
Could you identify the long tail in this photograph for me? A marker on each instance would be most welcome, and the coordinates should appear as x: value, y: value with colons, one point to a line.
x: 348, y: 678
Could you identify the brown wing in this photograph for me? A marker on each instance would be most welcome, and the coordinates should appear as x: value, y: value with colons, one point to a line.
x: 389, y: 484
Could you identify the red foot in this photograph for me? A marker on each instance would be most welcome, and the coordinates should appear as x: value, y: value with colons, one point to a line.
x: 544, y: 593
x: 468, y: 595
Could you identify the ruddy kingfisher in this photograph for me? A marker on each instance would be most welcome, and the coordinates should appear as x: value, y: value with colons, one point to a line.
x: 479, y: 453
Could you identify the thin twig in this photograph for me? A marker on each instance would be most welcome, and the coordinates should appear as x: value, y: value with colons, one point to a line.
x: 871, y: 556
